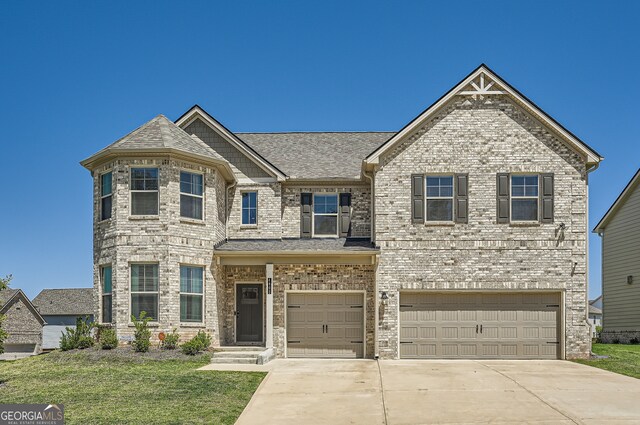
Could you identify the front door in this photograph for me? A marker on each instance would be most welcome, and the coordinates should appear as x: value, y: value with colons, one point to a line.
x: 249, y: 312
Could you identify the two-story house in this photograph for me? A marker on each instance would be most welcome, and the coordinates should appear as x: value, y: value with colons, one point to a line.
x: 464, y: 234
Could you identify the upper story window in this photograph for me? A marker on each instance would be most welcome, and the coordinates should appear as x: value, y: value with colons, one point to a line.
x: 325, y: 214
x: 249, y: 208
x: 144, y: 290
x: 191, y: 195
x: 439, y: 198
x: 106, y: 190
x: 144, y: 191
x: 524, y: 198
x: 191, y: 289
x: 107, y: 299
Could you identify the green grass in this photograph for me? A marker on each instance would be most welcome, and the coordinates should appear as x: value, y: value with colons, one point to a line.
x: 623, y: 359
x: 115, y: 390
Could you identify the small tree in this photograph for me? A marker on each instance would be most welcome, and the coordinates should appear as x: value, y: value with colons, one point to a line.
x: 4, y: 284
x: 142, y: 336
x: 80, y: 337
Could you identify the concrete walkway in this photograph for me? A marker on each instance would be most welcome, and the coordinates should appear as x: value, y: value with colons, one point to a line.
x: 441, y: 392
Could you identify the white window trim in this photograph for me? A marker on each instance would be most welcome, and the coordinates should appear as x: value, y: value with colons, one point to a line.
x: 248, y: 225
x: 131, y: 192
x: 452, y: 197
x: 131, y: 292
x: 105, y: 196
x: 204, y: 279
x: 512, y: 197
x: 102, y: 267
x: 313, y: 214
x: 188, y: 194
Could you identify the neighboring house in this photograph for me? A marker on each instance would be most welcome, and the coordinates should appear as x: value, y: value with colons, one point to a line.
x: 620, y: 233
x: 595, y: 317
x: 60, y: 308
x: 22, y: 322
x: 463, y: 235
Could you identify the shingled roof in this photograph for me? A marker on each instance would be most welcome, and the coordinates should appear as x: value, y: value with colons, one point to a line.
x: 330, y: 155
x: 65, y: 302
x: 298, y: 245
x: 5, y: 295
x: 160, y: 135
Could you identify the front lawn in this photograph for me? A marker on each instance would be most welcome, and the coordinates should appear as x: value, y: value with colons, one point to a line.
x: 623, y: 359
x: 116, y: 389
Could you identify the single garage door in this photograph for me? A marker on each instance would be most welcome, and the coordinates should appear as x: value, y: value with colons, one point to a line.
x: 325, y: 325
x: 19, y: 348
x: 479, y: 325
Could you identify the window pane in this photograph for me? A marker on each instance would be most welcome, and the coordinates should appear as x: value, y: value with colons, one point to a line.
x: 245, y: 216
x: 144, y: 302
x: 517, y: 180
x: 191, y: 183
x: 105, y: 208
x: 106, y: 280
x: 191, y: 308
x: 190, y: 207
x: 325, y: 225
x: 325, y: 204
x: 144, y: 203
x: 531, y: 180
x: 531, y: 190
x: 144, y: 179
x: 106, y: 184
x: 517, y: 191
x: 439, y: 210
x: 144, y: 277
x: 106, y: 309
x: 191, y: 279
x: 249, y: 207
x: 438, y: 187
x: 524, y: 209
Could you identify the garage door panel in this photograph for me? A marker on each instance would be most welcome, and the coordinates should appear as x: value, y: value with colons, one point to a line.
x: 519, y: 325
x: 325, y: 325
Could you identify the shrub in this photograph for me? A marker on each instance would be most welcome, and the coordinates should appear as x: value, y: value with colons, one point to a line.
x: 203, y: 340
x: 190, y: 348
x: 615, y: 341
x: 80, y: 337
x: 170, y: 341
x: 142, y: 335
x: 598, y: 330
x: 198, y: 343
x: 108, y: 339
x: 634, y: 341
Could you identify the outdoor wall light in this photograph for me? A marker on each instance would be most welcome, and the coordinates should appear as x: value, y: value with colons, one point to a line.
x: 629, y: 279
x: 384, y: 296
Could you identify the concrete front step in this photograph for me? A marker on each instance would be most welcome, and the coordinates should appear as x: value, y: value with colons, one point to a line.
x: 231, y: 354
x: 234, y: 360
x: 241, y: 348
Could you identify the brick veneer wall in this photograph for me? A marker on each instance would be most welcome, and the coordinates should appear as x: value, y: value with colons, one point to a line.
x: 21, y: 325
x: 482, y: 137
x: 166, y: 239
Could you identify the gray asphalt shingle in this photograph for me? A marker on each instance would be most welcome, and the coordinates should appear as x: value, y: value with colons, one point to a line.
x: 332, y: 155
x: 298, y: 245
x: 68, y: 301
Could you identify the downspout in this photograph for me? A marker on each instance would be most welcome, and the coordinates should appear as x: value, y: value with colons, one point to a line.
x: 226, y: 209
x: 372, y: 233
x: 586, y: 311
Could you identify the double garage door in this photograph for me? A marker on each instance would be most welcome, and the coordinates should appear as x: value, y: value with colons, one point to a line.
x: 329, y: 325
x: 480, y: 325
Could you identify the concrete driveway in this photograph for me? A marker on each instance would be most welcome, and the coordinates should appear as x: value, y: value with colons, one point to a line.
x: 441, y: 392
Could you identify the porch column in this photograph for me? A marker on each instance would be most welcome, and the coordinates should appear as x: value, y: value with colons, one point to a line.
x: 269, y: 336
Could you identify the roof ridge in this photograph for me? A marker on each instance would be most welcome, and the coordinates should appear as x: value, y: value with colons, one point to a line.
x: 316, y: 132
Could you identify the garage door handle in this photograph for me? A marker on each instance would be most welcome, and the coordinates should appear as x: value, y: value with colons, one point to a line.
x: 356, y: 342
x: 476, y: 328
x: 406, y: 342
x: 293, y: 342
x: 553, y: 342
x: 480, y: 328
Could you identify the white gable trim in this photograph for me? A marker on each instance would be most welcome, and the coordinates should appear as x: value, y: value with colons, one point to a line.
x: 496, y: 86
x: 619, y: 202
x: 197, y: 112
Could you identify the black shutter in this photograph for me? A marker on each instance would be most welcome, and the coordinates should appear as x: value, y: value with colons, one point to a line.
x: 306, y: 201
x: 546, y: 198
x: 462, y: 198
x: 502, y: 196
x: 345, y: 214
x: 417, y: 198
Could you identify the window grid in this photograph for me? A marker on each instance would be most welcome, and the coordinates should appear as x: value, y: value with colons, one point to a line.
x: 325, y: 212
x: 191, y: 195
x: 249, y: 208
x: 524, y: 197
x: 144, y: 286
x: 439, y: 199
x: 191, y: 293
x: 107, y: 294
x: 106, y: 195
x: 144, y: 191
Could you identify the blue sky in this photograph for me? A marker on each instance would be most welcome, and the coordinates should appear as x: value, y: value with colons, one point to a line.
x: 75, y: 76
